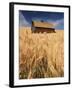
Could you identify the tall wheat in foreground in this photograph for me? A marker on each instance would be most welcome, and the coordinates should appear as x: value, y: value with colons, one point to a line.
x: 41, y: 54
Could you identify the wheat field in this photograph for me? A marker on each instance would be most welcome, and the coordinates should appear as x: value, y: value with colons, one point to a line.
x: 41, y: 54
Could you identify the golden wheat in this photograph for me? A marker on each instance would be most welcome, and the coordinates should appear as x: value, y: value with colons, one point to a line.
x: 41, y: 54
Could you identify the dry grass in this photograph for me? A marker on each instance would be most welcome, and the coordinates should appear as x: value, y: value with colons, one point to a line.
x: 41, y: 54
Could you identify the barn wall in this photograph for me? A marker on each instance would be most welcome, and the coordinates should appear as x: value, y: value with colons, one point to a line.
x: 48, y: 30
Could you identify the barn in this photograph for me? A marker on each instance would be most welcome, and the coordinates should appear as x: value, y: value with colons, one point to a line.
x: 41, y: 26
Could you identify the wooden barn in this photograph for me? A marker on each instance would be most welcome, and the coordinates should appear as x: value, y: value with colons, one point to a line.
x: 41, y: 26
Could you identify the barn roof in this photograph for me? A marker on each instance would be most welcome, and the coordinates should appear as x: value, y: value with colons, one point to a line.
x: 42, y: 24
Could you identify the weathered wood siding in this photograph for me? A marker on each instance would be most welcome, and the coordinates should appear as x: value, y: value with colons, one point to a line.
x: 42, y: 30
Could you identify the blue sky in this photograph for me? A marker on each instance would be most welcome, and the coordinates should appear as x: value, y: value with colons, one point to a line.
x: 26, y: 17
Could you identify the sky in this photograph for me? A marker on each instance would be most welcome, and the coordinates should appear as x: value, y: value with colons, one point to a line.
x: 26, y: 17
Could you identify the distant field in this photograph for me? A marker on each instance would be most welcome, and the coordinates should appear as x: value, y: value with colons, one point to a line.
x: 41, y: 54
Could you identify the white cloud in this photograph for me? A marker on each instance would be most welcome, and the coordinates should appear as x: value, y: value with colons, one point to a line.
x: 58, y: 22
x: 22, y: 20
